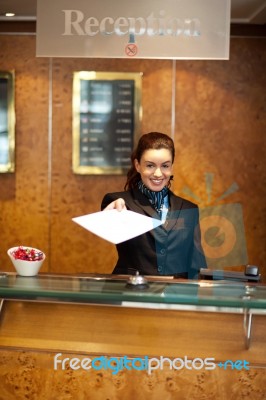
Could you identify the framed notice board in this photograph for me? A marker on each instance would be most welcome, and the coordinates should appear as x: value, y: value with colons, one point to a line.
x: 7, y: 122
x: 106, y: 121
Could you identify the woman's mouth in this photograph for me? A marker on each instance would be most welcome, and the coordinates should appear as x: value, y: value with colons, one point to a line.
x: 157, y: 181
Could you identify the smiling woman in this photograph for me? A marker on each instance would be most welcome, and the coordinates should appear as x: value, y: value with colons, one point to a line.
x: 174, y: 248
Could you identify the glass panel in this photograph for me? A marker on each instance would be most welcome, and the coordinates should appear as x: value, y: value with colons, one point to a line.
x: 7, y: 122
x: 102, y: 290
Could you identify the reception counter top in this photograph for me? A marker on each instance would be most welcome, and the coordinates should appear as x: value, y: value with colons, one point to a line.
x: 162, y: 292
x: 102, y: 315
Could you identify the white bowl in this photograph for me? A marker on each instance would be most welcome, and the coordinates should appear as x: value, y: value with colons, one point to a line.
x: 25, y: 267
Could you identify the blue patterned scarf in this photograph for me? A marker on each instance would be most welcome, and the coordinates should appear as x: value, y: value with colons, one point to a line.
x: 156, y: 198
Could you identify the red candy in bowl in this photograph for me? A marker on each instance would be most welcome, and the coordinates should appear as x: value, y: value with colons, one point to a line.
x: 26, y: 260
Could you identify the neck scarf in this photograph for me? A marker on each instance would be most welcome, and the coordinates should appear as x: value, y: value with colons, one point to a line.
x: 156, y: 198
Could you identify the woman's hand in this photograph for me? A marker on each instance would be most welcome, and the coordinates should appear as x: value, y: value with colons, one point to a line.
x: 118, y: 204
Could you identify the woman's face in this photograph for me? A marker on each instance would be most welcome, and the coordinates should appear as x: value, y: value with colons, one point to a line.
x: 155, y: 168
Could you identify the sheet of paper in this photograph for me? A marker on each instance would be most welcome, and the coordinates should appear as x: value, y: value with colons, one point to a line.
x: 117, y: 226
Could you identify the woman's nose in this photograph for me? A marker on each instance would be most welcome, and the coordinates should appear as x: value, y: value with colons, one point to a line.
x: 158, y: 172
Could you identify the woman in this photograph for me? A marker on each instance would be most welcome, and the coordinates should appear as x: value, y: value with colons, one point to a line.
x: 174, y: 247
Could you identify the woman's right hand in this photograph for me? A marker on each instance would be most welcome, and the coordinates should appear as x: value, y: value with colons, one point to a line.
x: 118, y: 204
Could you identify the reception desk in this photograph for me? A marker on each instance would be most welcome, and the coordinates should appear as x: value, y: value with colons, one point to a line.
x: 206, y: 338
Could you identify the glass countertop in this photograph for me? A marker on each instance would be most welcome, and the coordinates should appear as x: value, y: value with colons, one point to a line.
x: 114, y: 290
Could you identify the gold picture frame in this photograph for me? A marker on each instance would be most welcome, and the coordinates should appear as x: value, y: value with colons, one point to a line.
x: 7, y: 122
x: 107, y: 117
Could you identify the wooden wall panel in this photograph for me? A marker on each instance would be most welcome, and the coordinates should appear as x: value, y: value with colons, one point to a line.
x: 32, y: 333
x: 219, y: 128
x: 24, y: 195
x: 73, y: 248
x: 31, y: 375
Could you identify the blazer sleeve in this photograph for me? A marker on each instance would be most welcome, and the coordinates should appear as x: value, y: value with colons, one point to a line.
x: 109, y: 197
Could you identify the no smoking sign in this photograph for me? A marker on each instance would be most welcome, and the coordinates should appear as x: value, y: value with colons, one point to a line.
x: 131, y: 49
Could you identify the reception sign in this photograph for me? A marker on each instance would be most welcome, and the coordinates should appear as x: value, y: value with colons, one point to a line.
x: 169, y: 29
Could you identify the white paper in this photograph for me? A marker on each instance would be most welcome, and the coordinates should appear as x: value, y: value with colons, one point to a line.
x: 117, y: 226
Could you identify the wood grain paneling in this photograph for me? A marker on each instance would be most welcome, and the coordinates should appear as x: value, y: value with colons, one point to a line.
x: 220, y: 130
x: 132, y: 331
x: 73, y: 248
x: 24, y: 195
x: 220, y: 123
x: 31, y: 334
x: 31, y: 376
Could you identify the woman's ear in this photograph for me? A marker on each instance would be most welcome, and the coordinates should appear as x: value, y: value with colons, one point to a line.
x: 136, y: 165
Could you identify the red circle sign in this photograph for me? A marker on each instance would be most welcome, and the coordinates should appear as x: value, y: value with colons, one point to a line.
x: 131, y: 49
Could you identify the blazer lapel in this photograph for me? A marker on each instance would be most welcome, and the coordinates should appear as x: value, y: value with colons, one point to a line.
x: 143, y: 202
x: 175, y: 204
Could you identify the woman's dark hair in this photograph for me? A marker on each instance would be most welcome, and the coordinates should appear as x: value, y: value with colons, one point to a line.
x: 151, y: 140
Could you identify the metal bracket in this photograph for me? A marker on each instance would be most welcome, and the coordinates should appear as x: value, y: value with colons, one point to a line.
x: 247, y: 327
x: 1, y: 305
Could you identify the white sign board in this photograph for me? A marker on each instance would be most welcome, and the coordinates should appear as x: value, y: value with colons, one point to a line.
x: 169, y: 29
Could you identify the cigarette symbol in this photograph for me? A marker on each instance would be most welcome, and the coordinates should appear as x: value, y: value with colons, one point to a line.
x: 131, y: 48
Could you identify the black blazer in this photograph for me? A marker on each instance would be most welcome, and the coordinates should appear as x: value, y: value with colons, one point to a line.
x: 173, y: 248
